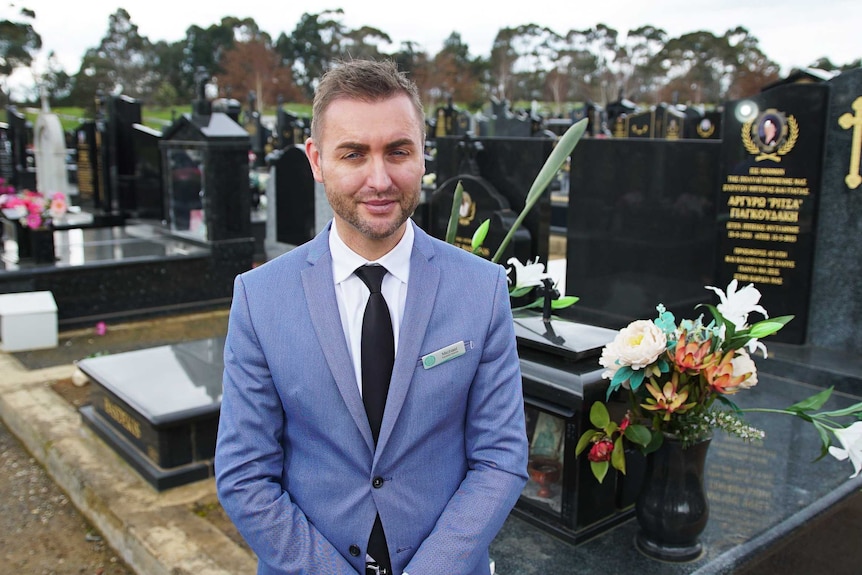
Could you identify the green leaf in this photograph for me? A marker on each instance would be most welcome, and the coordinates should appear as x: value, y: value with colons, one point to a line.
x: 520, y: 291
x: 636, y: 379
x: 599, y: 415
x: 768, y: 326
x: 479, y: 236
x: 824, y: 439
x: 600, y: 469
x: 585, y: 440
x: 655, y: 442
x: 814, y: 402
x: 638, y: 434
x: 855, y: 409
x: 618, y: 455
x: 452, y: 227
x: 562, y: 150
x: 564, y: 302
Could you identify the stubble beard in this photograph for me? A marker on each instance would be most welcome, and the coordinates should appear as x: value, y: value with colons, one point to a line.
x: 348, y: 210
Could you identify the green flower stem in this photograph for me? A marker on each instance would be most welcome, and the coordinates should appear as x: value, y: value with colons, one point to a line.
x: 555, y: 161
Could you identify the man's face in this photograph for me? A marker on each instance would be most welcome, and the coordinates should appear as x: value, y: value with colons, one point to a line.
x: 769, y: 131
x: 370, y: 158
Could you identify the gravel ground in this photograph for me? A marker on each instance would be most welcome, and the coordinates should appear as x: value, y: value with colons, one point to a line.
x: 41, y: 532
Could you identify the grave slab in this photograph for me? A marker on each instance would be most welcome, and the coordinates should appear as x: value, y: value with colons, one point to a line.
x: 158, y: 408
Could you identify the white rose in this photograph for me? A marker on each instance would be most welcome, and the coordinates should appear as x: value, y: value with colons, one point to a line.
x: 637, y: 346
x: 742, y: 364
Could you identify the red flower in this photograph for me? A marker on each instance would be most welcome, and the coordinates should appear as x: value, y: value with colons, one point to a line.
x: 601, y: 450
x: 625, y: 423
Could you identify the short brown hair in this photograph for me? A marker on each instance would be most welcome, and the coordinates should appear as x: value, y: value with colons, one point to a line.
x: 365, y: 80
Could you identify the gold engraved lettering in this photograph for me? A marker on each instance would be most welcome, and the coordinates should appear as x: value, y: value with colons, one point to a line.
x: 120, y: 415
x: 847, y: 121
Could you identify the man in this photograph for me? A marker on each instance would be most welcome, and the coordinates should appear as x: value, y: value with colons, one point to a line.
x: 311, y: 483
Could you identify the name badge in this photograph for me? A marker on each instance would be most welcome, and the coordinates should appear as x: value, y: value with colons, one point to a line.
x: 443, y: 355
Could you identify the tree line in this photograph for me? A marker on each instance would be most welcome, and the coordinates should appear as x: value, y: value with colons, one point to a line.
x: 528, y: 62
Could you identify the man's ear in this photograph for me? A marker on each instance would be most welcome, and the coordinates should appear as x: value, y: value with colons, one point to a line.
x: 314, y: 159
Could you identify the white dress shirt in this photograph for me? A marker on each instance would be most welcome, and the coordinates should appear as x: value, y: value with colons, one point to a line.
x: 352, y: 294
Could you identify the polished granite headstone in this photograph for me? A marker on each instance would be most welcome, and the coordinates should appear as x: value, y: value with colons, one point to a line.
x: 91, y: 171
x: 510, y: 165
x: 480, y: 201
x: 641, y: 228
x: 836, y: 292
x: 158, y: 408
x: 770, y: 186
x: 294, y: 198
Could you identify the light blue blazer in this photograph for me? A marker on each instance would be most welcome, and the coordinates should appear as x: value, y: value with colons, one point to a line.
x: 295, y: 461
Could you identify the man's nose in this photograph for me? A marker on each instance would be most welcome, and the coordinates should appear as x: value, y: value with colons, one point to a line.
x: 378, y: 175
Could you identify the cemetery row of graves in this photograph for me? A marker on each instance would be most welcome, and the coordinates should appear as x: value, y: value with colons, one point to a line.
x: 654, y: 205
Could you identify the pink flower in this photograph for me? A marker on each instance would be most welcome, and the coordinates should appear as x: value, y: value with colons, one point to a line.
x: 101, y: 328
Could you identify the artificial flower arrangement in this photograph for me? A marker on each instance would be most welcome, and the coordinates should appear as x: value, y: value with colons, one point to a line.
x: 679, y: 378
x: 32, y: 209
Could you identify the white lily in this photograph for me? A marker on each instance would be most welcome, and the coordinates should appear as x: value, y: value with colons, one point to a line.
x: 851, y: 440
x: 529, y: 275
x: 736, y: 305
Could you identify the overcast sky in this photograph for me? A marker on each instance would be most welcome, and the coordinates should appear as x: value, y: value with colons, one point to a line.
x: 793, y: 33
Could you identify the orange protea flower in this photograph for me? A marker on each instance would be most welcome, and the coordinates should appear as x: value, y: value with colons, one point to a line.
x: 668, y: 399
x: 691, y: 356
x: 720, y: 376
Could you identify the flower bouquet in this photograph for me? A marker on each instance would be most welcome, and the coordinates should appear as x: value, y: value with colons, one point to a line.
x: 679, y: 378
x: 33, y: 210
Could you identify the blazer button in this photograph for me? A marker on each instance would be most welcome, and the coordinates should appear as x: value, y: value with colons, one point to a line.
x: 354, y: 550
x: 377, y: 483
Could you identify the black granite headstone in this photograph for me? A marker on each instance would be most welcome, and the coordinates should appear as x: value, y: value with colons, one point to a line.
x: 767, y: 204
x: 836, y: 292
x: 705, y: 126
x: 451, y: 121
x: 480, y: 201
x: 640, y: 231
x: 147, y: 185
x: 123, y: 113
x: 90, y: 168
x: 510, y: 165
x: 294, y: 195
x: 20, y: 134
x: 641, y: 124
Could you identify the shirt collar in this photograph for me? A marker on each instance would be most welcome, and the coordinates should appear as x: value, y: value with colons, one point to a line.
x: 345, y: 261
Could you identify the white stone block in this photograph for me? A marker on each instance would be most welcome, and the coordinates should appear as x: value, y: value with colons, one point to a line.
x: 28, y: 321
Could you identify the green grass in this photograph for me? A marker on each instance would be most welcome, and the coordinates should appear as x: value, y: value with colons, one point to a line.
x: 152, y: 117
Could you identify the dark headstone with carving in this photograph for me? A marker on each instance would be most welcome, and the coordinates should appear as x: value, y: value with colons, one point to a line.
x: 769, y: 191
x: 836, y: 292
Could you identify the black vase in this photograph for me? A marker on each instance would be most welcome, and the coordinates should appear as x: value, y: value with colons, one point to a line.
x: 35, y: 245
x: 672, y: 508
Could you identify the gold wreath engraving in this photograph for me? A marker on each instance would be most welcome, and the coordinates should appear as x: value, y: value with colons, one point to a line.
x: 783, y: 149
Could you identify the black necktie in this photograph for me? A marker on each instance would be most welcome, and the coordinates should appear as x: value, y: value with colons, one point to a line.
x: 377, y: 357
x: 378, y: 348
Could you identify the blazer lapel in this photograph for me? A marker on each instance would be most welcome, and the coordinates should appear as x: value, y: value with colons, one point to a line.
x: 317, y: 283
x: 421, y: 295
